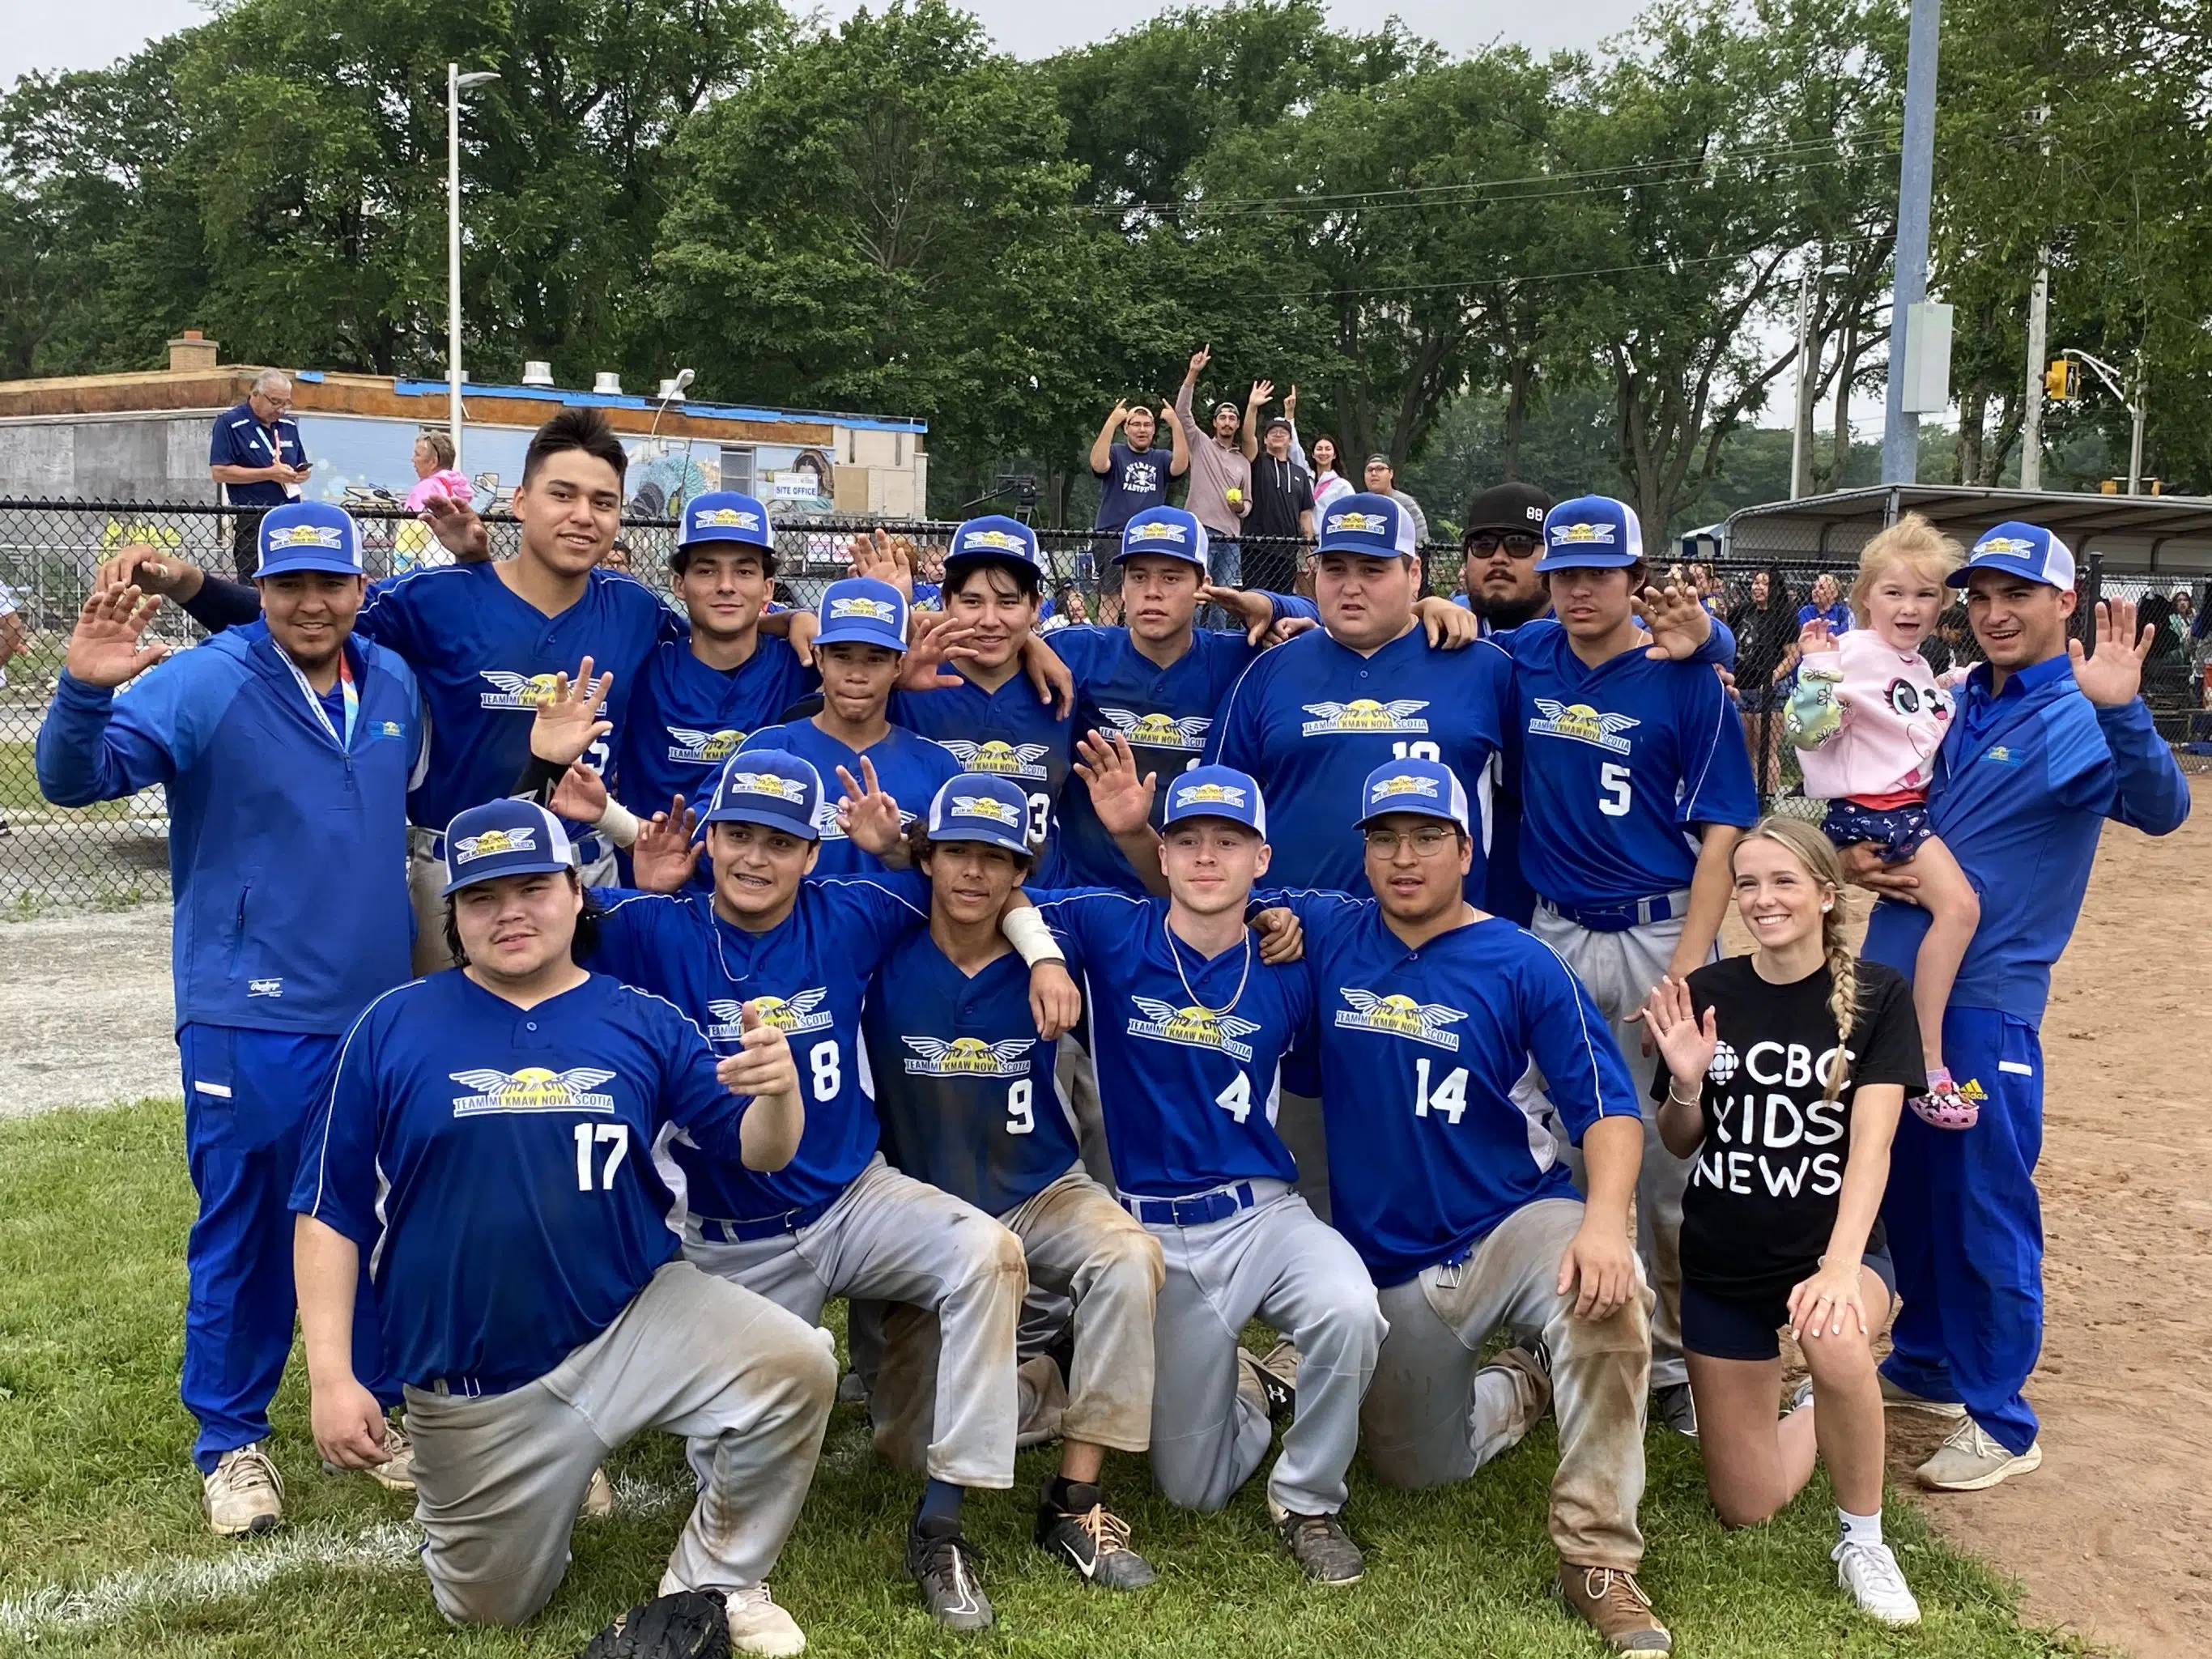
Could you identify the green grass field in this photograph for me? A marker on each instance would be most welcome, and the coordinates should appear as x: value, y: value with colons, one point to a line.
x: 102, y: 1550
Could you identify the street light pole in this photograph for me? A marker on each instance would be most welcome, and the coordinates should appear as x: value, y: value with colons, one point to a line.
x: 1901, y: 436
x: 456, y: 84
x: 2136, y: 404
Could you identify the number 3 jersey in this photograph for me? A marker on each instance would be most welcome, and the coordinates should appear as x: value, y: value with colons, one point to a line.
x: 1186, y: 1049
x: 502, y: 1168
x: 1616, y: 761
x: 1420, y: 1051
x: 809, y: 973
x: 964, y: 1085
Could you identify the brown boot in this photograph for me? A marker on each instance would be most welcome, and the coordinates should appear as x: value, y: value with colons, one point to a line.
x: 1611, y: 1600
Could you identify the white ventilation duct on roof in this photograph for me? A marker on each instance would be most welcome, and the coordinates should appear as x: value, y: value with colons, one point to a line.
x: 607, y: 383
x: 537, y: 372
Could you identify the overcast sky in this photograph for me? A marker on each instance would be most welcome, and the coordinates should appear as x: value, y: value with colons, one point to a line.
x: 90, y: 33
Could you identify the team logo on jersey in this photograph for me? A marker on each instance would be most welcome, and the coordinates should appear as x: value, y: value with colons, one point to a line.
x: 2001, y: 754
x: 983, y: 807
x: 1194, y: 1028
x: 533, y: 1089
x: 520, y: 839
x: 516, y: 690
x: 882, y: 610
x: 305, y: 535
x: 1161, y: 730
x: 802, y: 1013
x: 1397, y: 1015
x: 390, y: 728
x: 994, y: 541
x: 1008, y: 760
x: 702, y: 748
x: 1724, y: 1062
x: 725, y: 518
x: 1365, y: 714
x: 1403, y: 784
x: 1583, y: 534
x: 773, y: 784
x: 1582, y: 723
x: 967, y: 1057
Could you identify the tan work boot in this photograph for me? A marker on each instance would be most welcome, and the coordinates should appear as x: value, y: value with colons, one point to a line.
x: 245, y: 1494
x: 1614, y: 1605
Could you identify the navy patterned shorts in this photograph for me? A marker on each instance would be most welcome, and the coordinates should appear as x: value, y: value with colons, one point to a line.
x: 1896, y: 831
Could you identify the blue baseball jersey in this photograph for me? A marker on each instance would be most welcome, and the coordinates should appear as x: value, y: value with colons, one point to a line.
x: 486, y: 657
x: 1616, y: 761
x: 1311, y: 719
x: 963, y: 1084
x: 1187, y: 1051
x: 809, y: 973
x: 1419, y: 1051
x: 909, y: 767
x: 2024, y: 783
x: 685, y: 719
x: 1009, y: 733
x: 502, y: 1168
x: 1165, y: 713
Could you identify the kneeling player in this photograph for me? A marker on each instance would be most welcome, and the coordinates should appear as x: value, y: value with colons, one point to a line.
x: 1455, y: 1197
x: 491, y: 1141
x: 1188, y: 1028
x: 964, y: 1089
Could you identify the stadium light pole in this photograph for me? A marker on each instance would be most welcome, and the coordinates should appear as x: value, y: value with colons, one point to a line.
x: 1900, y: 434
x: 456, y: 84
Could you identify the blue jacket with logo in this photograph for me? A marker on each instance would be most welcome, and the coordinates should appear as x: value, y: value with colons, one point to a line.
x: 287, y: 855
x: 2024, y: 783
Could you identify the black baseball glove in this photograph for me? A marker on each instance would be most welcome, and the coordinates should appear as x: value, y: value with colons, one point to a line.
x: 688, y: 1624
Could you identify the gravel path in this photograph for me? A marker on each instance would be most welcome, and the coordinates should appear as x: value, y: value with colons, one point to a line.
x: 86, y: 1014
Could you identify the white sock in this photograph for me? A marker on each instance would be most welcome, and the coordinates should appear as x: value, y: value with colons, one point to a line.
x: 1861, y: 1528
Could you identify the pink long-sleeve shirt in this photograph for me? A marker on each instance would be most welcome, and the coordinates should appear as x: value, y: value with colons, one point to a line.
x: 1894, y: 716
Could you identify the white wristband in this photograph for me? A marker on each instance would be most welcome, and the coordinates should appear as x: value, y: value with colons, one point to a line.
x: 618, y: 823
x: 1025, y: 930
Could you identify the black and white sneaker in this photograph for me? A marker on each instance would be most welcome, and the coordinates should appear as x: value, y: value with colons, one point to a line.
x: 1320, y: 1546
x: 1092, y: 1539
x: 940, y: 1558
x: 1277, y: 1374
x: 1676, y: 1408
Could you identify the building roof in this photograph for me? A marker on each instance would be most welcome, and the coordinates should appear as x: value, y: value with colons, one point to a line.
x: 2132, y: 532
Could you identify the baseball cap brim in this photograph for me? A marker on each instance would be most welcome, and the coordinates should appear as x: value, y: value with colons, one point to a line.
x: 320, y: 559
x: 1586, y: 558
x: 982, y: 835
x: 1165, y: 550
x: 545, y: 865
x: 1417, y: 806
x: 851, y: 630
x: 742, y: 811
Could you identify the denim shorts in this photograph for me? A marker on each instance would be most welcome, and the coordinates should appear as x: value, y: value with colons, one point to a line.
x: 1896, y: 831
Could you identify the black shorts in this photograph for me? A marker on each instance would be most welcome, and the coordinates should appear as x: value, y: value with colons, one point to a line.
x: 1724, y: 1324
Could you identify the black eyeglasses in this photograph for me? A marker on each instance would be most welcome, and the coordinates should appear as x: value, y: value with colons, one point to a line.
x: 1518, y: 544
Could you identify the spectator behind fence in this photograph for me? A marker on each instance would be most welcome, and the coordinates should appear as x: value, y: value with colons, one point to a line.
x: 1827, y: 605
x: 1765, y: 624
x: 1220, y: 477
x: 1282, y: 490
x: 1330, y: 486
x: 1132, y: 475
x: 412, y: 544
x: 255, y: 453
x: 1382, y: 480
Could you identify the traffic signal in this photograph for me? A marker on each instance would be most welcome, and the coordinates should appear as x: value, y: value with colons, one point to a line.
x: 2062, y: 382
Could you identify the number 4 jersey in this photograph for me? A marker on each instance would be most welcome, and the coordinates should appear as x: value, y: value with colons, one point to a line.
x: 1421, y: 1049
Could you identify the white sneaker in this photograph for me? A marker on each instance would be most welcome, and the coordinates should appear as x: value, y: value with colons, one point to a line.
x: 1870, y: 1573
x: 598, y: 1499
x: 758, y: 1626
x: 245, y: 1494
x: 397, y: 1474
x: 1969, y: 1461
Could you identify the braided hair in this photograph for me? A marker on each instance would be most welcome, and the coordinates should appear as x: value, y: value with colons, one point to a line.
x: 1814, y: 850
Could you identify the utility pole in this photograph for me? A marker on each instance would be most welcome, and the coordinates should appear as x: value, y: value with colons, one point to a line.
x: 2031, y: 420
x: 1900, y: 437
x: 1801, y: 429
x: 456, y: 84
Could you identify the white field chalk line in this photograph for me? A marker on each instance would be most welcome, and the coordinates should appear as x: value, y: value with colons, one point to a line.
x: 255, y: 1564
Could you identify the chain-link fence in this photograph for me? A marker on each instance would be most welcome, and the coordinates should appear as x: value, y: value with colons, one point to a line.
x: 116, y: 854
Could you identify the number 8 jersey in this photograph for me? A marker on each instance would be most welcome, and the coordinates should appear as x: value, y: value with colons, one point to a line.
x: 1422, y: 1051
x: 1617, y: 762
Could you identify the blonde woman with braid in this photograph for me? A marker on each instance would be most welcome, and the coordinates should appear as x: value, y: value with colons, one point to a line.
x: 1785, y: 1074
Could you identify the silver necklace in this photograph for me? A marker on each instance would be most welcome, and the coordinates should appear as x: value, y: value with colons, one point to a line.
x: 1176, y: 956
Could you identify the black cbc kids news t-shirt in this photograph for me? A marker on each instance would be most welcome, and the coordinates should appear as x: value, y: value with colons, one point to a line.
x: 1764, y: 1183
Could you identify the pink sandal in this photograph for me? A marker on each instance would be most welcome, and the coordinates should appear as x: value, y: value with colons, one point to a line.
x: 1945, y: 1106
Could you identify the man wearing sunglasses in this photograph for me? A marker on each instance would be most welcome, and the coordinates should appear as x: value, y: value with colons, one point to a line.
x: 1504, y: 533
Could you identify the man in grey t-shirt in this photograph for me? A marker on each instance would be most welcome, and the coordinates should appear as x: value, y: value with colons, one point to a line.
x: 1220, y: 477
x: 1382, y: 480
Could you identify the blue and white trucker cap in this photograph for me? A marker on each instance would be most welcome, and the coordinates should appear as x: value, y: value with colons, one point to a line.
x: 1427, y: 788
x: 504, y: 838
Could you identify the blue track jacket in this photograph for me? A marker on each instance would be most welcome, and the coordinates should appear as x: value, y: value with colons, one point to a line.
x: 287, y: 855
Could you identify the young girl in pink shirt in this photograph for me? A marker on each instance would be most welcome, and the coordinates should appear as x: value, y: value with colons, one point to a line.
x: 1866, y: 717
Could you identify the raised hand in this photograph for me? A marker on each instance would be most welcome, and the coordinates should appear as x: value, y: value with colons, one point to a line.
x: 1199, y: 360
x: 932, y: 637
x: 1815, y: 637
x: 580, y: 796
x: 1254, y: 612
x: 1121, y: 413
x: 865, y: 813
x: 1261, y: 392
x: 1123, y: 800
x: 1670, y: 1019
x: 762, y: 1065
x: 108, y: 647
x: 1291, y: 404
x: 1678, y: 622
x: 877, y: 555
x: 567, y: 722
x: 665, y: 855
x: 2111, y: 675
x: 153, y: 572
x: 1282, y: 937
x: 457, y: 528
